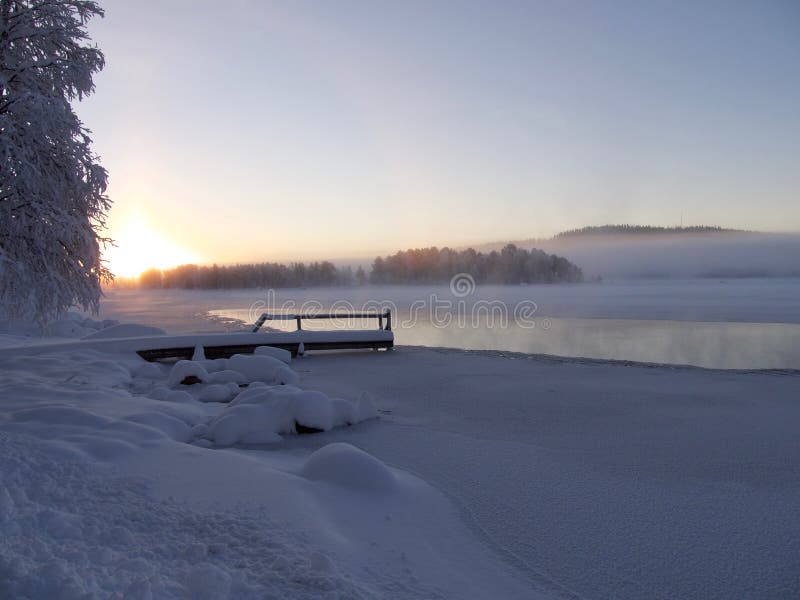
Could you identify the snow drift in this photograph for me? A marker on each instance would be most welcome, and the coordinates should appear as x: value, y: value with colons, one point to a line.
x: 108, y: 490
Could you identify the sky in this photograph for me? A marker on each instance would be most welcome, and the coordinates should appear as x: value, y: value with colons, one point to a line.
x: 253, y: 130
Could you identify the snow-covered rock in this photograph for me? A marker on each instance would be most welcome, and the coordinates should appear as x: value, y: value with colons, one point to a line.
x: 279, y: 353
x: 261, y: 414
x: 257, y: 367
x: 315, y: 410
x: 226, y: 376
x: 218, y: 392
x: 285, y: 376
x: 212, y: 365
x: 345, y: 465
x: 186, y: 368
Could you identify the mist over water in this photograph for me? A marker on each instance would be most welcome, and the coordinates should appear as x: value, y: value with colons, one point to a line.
x: 741, y: 324
x: 713, y: 345
x: 727, y: 255
x: 721, y: 345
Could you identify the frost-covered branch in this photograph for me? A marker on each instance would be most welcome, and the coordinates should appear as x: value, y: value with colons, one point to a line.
x: 52, y: 189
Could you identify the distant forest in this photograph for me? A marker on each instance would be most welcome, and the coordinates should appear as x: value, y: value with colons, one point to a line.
x: 260, y: 275
x: 639, y: 230
x: 511, y: 265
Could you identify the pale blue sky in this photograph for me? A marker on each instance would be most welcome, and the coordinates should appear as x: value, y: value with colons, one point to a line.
x: 275, y: 130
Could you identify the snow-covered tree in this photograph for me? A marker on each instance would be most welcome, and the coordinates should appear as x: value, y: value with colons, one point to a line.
x: 52, y: 189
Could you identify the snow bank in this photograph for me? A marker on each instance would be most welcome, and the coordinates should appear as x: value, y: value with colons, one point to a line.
x: 260, y: 367
x: 68, y: 328
x: 90, y: 442
x: 261, y: 414
x: 107, y: 406
x: 345, y: 465
x: 148, y: 370
x: 184, y: 369
x: 218, y: 392
x: 270, y: 406
x: 226, y: 376
x: 239, y: 369
x: 73, y: 325
x: 279, y: 353
x: 71, y: 531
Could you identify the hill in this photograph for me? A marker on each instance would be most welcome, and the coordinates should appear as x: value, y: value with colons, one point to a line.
x: 645, y: 251
x: 625, y: 229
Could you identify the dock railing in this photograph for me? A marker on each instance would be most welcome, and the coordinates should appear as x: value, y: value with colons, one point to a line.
x: 384, y: 318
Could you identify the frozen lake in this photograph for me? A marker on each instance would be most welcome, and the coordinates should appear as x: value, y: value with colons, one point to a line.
x: 732, y: 324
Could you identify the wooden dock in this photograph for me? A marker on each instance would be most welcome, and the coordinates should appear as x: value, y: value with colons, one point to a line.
x: 224, y: 345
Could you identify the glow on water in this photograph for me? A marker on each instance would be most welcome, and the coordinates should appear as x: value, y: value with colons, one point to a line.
x: 722, y: 345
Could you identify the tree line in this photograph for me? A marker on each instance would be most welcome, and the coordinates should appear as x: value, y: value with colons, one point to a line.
x: 639, y: 230
x: 512, y: 265
x: 259, y: 275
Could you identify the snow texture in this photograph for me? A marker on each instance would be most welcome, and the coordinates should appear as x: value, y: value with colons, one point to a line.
x: 256, y: 367
x: 345, y: 465
x: 110, y: 487
x: 184, y: 369
x: 547, y: 477
x: 279, y: 353
x: 259, y: 415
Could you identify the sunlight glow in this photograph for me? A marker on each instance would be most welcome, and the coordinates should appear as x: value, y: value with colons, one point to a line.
x: 138, y: 248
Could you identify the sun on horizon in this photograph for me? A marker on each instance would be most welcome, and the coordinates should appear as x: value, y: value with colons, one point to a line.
x: 138, y: 247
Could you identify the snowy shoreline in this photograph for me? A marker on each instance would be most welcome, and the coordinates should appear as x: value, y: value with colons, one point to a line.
x: 582, y: 360
x: 629, y: 478
x: 730, y: 325
x: 486, y: 474
x: 122, y: 478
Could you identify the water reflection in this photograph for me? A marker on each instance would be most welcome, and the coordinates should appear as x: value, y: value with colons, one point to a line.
x: 706, y: 344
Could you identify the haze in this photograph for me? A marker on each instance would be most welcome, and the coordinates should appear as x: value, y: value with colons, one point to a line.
x: 256, y: 130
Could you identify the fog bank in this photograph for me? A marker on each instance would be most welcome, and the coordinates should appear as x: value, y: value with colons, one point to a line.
x: 680, y: 256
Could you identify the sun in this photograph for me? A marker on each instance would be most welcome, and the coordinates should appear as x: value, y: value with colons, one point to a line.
x: 139, y: 248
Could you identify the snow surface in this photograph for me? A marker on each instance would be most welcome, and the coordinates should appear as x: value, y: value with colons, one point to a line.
x: 113, y: 484
x: 345, y: 465
x: 543, y: 477
x: 599, y: 479
x: 73, y: 325
x: 279, y: 353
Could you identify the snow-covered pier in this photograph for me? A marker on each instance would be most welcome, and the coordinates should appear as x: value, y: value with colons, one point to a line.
x: 220, y: 345
x: 226, y: 345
